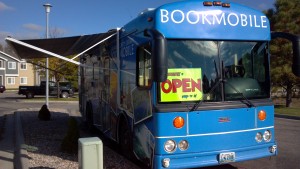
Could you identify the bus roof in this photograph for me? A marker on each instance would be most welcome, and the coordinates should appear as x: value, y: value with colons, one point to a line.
x: 194, y: 19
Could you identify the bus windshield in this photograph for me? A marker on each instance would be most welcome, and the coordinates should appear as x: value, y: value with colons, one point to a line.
x: 242, y: 67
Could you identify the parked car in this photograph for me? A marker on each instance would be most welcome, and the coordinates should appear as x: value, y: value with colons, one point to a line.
x: 65, y: 89
x: 2, y: 88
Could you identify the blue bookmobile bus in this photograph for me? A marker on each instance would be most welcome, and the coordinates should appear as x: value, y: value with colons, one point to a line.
x: 185, y: 85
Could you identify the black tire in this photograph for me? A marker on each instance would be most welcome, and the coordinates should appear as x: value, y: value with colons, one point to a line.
x: 125, y: 142
x: 29, y: 95
x: 64, y: 95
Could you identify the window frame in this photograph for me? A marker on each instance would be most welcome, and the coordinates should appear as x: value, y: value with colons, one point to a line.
x: 26, y: 80
x: 23, y: 64
x: 12, y: 65
x: 2, y: 64
x: 218, y: 66
x: 12, y: 79
x: 141, y: 49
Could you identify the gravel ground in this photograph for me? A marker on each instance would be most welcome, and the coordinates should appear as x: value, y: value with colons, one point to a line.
x: 43, y: 140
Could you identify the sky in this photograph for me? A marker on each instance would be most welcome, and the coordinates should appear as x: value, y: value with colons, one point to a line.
x: 26, y: 19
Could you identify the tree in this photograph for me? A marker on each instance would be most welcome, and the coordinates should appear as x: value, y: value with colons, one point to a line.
x: 58, y: 69
x: 285, y: 18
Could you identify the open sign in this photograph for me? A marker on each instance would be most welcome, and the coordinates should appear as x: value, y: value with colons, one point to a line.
x: 182, y: 85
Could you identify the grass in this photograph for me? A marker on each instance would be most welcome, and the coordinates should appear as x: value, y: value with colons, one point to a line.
x: 293, y: 110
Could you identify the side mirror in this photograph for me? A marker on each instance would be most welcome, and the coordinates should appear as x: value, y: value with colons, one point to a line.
x: 296, y: 49
x: 159, y: 55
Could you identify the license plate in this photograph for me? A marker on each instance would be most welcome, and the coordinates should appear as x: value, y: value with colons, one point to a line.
x: 226, y: 157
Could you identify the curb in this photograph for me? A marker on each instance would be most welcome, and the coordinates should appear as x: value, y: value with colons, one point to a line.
x: 287, y: 117
x: 21, y: 157
x: 42, y: 101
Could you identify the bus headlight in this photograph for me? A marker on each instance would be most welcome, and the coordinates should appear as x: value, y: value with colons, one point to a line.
x: 183, y: 145
x: 267, y: 136
x: 258, y: 137
x: 170, y: 146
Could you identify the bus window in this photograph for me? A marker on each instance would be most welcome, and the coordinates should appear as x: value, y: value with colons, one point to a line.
x: 144, y: 66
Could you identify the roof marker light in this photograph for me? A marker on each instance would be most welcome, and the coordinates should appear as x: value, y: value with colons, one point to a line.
x: 217, y: 3
x: 226, y: 5
x: 207, y: 3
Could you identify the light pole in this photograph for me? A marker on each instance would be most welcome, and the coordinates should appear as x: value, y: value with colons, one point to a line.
x: 47, y: 8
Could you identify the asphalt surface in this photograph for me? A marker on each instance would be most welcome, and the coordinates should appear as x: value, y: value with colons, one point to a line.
x: 13, y: 156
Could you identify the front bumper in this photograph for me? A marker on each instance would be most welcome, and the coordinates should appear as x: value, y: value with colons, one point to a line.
x: 203, y: 159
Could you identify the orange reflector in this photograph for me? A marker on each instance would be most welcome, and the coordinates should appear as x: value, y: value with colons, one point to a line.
x: 226, y: 5
x: 178, y: 122
x: 217, y: 3
x: 207, y: 3
x: 262, y: 115
x: 149, y: 19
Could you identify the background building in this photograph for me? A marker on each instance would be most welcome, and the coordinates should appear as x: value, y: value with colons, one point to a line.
x: 15, y: 72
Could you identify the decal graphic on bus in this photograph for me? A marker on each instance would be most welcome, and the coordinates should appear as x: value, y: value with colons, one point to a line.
x: 182, y: 85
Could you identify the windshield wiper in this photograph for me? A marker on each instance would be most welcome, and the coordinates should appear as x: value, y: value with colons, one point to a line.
x: 249, y: 103
x: 195, y: 107
x: 222, y: 81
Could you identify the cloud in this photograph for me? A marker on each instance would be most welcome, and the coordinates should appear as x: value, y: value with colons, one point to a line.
x: 33, y: 27
x: 4, y: 7
x: 53, y: 32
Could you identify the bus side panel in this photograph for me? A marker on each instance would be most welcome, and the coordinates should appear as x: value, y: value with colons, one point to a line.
x: 136, y: 101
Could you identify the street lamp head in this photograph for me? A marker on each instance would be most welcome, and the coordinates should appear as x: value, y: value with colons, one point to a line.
x: 47, y: 7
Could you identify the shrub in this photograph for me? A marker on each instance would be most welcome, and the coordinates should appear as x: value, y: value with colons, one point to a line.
x: 70, y: 142
x: 44, y: 113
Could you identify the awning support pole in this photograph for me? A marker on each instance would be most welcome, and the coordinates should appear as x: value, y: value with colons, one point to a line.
x: 93, y: 46
x: 41, y: 50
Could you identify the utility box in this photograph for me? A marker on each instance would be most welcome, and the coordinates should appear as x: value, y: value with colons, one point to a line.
x: 90, y: 153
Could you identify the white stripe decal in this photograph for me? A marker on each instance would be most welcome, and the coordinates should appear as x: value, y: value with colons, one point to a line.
x: 212, y: 134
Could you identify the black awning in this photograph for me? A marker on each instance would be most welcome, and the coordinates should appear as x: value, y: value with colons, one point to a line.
x: 62, y: 46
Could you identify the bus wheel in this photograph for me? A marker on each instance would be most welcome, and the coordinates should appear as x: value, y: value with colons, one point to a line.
x: 126, y: 140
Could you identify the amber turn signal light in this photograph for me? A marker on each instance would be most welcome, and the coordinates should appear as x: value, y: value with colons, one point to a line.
x: 178, y: 122
x: 262, y: 115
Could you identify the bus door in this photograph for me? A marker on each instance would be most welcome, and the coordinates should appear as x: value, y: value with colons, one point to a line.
x: 105, y: 96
